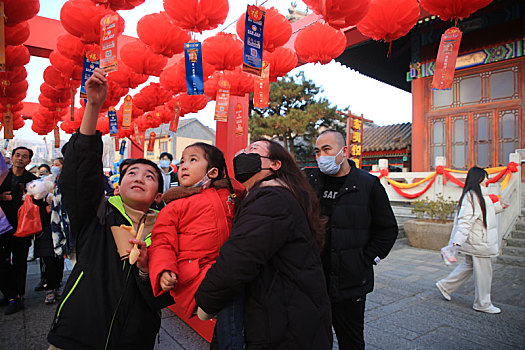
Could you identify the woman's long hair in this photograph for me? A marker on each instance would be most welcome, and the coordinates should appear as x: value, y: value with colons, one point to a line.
x: 290, y: 174
x: 475, y: 176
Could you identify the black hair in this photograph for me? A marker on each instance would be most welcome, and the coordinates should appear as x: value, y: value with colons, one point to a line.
x: 60, y: 159
x: 23, y: 148
x: 339, y: 137
x: 296, y: 182
x: 124, y: 163
x: 131, y: 161
x: 169, y: 155
x: 475, y: 176
x: 216, y: 159
x: 44, y: 165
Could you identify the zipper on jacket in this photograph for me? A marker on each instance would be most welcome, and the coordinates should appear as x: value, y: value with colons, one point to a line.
x: 117, y: 307
x: 67, y: 296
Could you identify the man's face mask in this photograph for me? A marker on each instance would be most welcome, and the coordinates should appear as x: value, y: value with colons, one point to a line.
x: 246, y: 165
x: 164, y: 163
x: 328, y: 164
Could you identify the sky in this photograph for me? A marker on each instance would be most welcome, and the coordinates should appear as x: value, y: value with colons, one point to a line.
x: 342, y: 86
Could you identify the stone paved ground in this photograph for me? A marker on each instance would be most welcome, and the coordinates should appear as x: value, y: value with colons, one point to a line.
x: 405, y: 311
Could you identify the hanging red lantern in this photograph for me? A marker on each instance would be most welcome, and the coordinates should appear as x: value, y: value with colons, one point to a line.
x: 70, y: 126
x: 223, y: 51
x: 453, y: 9
x: 12, y: 100
x: 277, y: 29
x: 15, y: 75
x: 65, y: 66
x: 188, y: 103
x: 241, y: 83
x: 54, y: 94
x: 53, y: 77
x: 52, y: 114
x: 282, y: 60
x: 39, y: 126
x: 18, y: 122
x: 49, y: 103
x: 125, y: 77
x: 173, y: 78
x: 17, y: 11
x: 18, y: 34
x: 151, y: 96
x: 340, y: 13
x: 161, y: 35
x: 319, y: 43
x: 120, y: 4
x: 389, y: 20
x: 197, y: 15
x: 81, y: 18
x: 71, y: 47
x: 115, y: 93
x: 12, y: 108
x: 16, y: 56
x: 9, y: 89
x: 141, y: 59
x: 211, y: 86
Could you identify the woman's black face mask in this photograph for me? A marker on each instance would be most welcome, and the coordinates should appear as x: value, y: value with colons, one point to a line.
x: 246, y: 165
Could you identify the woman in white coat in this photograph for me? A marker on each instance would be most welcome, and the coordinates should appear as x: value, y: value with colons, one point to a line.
x: 475, y: 234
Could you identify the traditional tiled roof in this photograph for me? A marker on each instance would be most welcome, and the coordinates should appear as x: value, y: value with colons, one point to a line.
x: 386, y: 138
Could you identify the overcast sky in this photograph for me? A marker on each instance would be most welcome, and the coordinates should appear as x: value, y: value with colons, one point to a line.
x: 342, y: 86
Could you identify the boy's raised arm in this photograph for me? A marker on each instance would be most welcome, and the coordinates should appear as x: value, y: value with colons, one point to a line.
x: 97, y: 90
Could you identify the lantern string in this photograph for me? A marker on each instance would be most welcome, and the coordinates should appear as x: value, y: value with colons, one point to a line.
x: 235, y: 21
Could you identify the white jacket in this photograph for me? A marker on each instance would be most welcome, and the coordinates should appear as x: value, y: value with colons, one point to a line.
x: 470, y: 233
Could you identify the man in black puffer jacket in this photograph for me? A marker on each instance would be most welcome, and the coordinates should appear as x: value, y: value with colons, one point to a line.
x: 361, y: 231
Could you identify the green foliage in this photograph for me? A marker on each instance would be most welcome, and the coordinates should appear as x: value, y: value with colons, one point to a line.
x: 293, y: 114
x: 440, y: 209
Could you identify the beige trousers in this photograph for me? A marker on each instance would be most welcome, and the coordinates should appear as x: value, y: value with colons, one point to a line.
x: 482, y: 270
x: 51, y: 347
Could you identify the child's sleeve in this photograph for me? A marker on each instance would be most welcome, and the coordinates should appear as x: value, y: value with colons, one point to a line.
x: 163, y: 251
x: 81, y: 180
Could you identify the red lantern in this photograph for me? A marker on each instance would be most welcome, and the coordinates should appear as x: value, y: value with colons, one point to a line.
x: 17, y: 11
x: 15, y: 75
x: 65, y: 66
x: 54, y: 94
x: 282, y: 60
x: 115, y: 93
x: 197, y: 15
x: 18, y: 34
x: 16, y: 56
x: 161, y: 35
x: 340, y: 13
x: 12, y: 100
x: 453, y: 9
x: 211, y: 86
x: 82, y: 18
x: 277, y: 29
x: 141, y: 59
x: 71, y: 47
x: 189, y: 103
x: 120, y: 4
x: 223, y: 51
x: 18, y: 122
x: 53, y: 77
x: 319, y: 43
x: 125, y: 77
x: 9, y: 89
x: 12, y: 108
x: 173, y: 78
x: 70, y: 126
x: 389, y: 20
x: 241, y: 83
x: 151, y: 96
x: 49, y: 103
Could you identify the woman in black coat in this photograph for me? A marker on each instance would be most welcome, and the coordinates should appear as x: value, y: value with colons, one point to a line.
x: 272, y: 255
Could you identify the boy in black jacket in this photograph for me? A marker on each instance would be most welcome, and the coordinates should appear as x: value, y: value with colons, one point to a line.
x: 107, y: 302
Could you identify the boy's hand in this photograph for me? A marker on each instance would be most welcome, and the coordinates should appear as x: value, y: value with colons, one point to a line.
x: 168, y: 280
x: 97, y: 88
x: 6, y: 196
x: 142, y: 260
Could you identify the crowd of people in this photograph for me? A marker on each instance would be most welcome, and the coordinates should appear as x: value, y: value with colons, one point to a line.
x: 278, y: 261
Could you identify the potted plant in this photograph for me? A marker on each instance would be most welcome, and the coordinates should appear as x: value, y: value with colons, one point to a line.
x: 433, y: 223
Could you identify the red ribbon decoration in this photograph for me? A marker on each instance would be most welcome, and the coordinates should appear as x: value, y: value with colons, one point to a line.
x: 415, y: 195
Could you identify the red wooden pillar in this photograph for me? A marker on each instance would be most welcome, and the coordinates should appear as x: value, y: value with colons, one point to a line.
x: 420, y: 159
x: 225, y: 138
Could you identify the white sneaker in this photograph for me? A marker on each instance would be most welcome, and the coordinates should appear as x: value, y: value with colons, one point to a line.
x: 490, y: 310
x: 443, y: 292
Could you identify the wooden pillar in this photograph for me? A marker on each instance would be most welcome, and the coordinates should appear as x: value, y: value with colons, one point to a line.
x: 420, y: 159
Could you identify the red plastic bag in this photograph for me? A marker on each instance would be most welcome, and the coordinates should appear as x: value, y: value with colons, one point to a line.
x: 28, y: 219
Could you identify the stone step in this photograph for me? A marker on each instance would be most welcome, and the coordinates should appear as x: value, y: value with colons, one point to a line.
x: 518, y: 234
x: 511, y: 260
x: 514, y: 251
x: 516, y: 242
x: 520, y: 227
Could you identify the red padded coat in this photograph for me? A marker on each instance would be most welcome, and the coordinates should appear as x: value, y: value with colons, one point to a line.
x: 186, y: 240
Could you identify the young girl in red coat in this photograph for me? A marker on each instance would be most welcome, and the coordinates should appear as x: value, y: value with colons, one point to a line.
x: 193, y: 226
